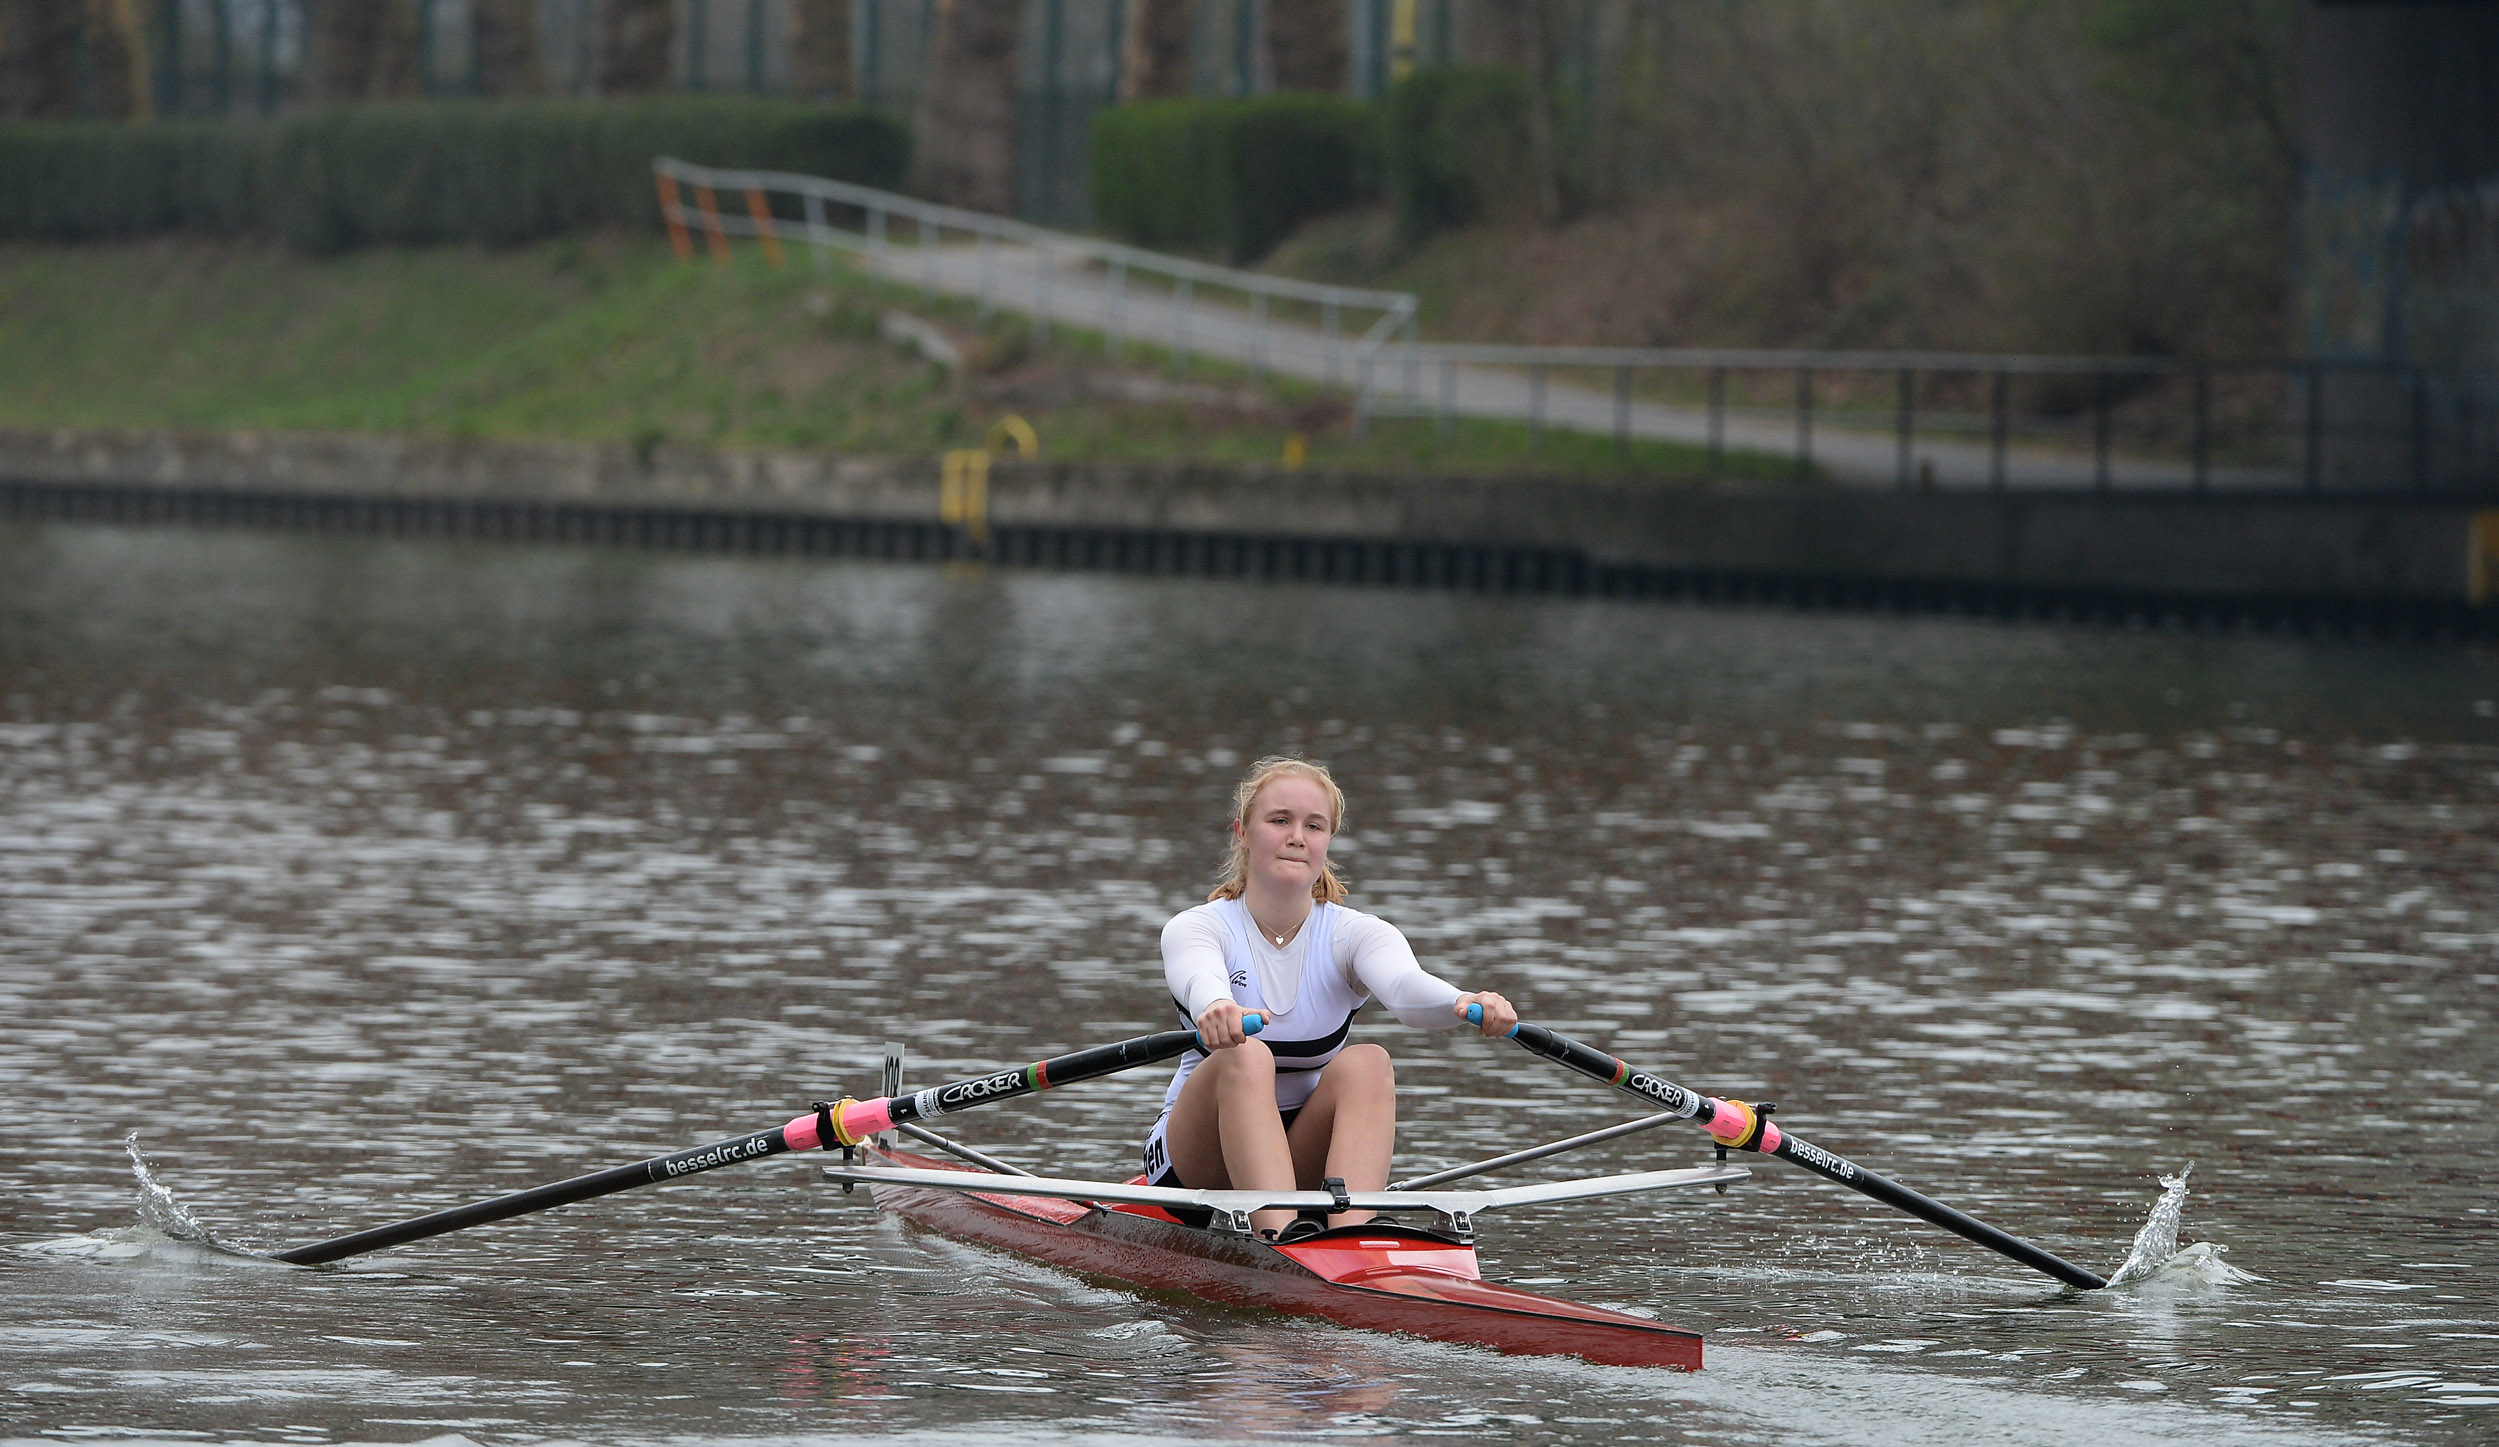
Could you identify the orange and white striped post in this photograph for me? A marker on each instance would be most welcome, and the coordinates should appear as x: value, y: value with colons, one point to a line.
x: 671, y: 211
x: 756, y: 207
x: 709, y: 205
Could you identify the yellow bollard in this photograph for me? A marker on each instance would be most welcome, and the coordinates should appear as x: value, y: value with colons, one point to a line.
x: 963, y: 493
x: 1012, y: 428
x: 2481, y: 569
x: 1296, y: 452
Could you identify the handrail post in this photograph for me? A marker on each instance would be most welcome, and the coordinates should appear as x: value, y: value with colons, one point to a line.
x: 2312, y: 450
x: 2203, y: 458
x: 2420, y: 430
x: 1442, y: 422
x: 1536, y: 407
x: 1180, y: 288
x: 876, y: 230
x: 1328, y: 312
x: 1414, y: 358
x: 819, y: 235
x: 1115, y: 336
x: 1804, y: 422
x: 2468, y: 439
x: 989, y: 263
x: 1902, y: 423
x: 1041, y: 291
x: 2000, y: 404
x: 1622, y: 410
x: 2100, y: 390
x: 928, y: 253
x: 1258, y: 342
x: 1717, y: 418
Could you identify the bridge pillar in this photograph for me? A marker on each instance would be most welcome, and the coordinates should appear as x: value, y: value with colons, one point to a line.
x: 2398, y: 258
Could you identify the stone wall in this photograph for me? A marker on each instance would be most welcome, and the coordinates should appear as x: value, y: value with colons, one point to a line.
x: 2367, y: 549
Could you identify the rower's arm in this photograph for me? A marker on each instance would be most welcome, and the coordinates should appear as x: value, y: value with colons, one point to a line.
x: 1384, y: 965
x: 1193, y: 962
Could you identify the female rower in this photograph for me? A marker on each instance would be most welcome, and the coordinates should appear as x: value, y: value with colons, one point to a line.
x: 1297, y: 1104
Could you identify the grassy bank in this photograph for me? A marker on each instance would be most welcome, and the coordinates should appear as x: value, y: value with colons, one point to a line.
x: 608, y: 338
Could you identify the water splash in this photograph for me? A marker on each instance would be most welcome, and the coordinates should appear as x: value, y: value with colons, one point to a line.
x: 162, y: 1212
x: 2158, y: 1240
x: 2201, y: 1265
x: 2156, y: 1250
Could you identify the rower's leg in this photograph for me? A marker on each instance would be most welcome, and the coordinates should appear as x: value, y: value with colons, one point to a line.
x: 1349, y: 1128
x: 1225, y: 1131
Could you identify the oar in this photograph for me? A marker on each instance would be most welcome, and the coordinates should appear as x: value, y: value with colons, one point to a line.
x: 1739, y: 1126
x: 844, y: 1123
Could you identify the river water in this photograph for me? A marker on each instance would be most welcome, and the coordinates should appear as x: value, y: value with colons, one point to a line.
x: 363, y: 878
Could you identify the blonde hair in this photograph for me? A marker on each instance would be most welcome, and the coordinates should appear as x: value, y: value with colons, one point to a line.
x: 1327, y: 888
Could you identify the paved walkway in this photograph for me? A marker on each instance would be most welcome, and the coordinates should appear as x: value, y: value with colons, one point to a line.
x: 1152, y: 312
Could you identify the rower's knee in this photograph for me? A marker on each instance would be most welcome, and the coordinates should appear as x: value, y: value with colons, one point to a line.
x: 1249, y: 1062
x: 1366, y: 1065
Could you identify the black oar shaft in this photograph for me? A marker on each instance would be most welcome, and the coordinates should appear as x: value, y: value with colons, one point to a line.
x: 1926, y: 1208
x: 1674, y: 1099
x: 541, y: 1198
x: 853, y: 1120
x: 862, y: 1119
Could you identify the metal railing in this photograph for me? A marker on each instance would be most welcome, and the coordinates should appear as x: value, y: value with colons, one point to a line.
x: 1905, y: 419
x: 1922, y: 419
x: 907, y: 239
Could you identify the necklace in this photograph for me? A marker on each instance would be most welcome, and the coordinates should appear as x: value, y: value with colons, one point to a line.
x: 1278, y: 936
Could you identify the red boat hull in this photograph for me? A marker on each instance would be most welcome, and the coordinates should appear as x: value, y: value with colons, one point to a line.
x: 1376, y: 1277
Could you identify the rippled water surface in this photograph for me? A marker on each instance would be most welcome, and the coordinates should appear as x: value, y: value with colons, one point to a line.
x: 361, y: 879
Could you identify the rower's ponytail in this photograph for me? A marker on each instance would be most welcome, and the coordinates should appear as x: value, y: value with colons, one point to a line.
x: 1327, y: 888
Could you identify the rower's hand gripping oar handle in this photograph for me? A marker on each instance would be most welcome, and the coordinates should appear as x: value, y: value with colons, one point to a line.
x: 1739, y: 1126
x: 846, y: 1123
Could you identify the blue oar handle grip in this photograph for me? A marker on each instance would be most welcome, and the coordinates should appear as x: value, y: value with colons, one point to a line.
x: 1475, y: 1015
x: 1251, y: 1023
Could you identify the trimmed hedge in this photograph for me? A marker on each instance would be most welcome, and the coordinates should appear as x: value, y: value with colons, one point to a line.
x: 82, y: 181
x: 1458, y: 147
x: 1234, y: 176
x: 487, y: 171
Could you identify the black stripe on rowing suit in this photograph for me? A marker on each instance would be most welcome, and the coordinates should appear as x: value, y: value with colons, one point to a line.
x: 1041, y: 1075
x: 1285, y: 1050
x: 1676, y: 1100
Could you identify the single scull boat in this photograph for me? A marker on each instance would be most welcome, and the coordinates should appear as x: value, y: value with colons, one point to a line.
x: 1382, y: 1275
x: 1387, y: 1275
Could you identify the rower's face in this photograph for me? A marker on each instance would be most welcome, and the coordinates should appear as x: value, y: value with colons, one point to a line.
x: 1287, y: 832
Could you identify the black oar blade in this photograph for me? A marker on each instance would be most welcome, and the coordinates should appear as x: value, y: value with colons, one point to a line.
x: 851, y: 1121
x: 1655, y: 1090
x: 542, y: 1198
x: 1926, y: 1208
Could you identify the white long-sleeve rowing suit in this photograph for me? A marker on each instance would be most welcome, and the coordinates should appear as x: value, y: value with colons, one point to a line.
x: 1308, y: 990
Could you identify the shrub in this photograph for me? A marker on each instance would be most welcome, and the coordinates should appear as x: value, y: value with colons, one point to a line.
x: 85, y: 180
x: 1457, y: 147
x: 1234, y: 176
x: 488, y: 171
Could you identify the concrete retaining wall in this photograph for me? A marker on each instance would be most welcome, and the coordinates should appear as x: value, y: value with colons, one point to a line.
x: 1577, y: 535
